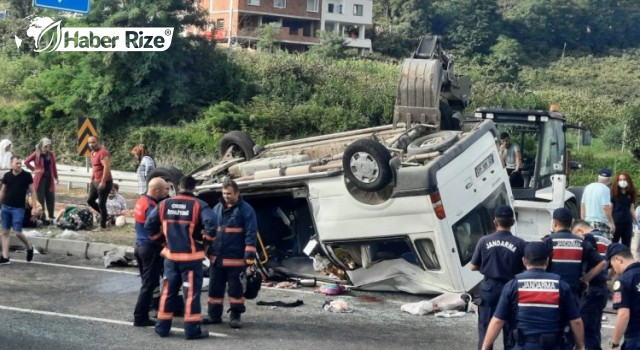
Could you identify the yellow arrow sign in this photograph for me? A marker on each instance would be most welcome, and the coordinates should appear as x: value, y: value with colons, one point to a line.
x: 86, y: 129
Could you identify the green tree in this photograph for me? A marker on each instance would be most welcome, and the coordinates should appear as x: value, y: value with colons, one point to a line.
x: 266, y: 36
x: 503, y: 62
x: 469, y: 26
x: 136, y: 87
x: 331, y: 45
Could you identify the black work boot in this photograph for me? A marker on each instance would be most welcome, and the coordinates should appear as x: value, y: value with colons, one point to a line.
x: 212, y: 319
x: 234, y: 321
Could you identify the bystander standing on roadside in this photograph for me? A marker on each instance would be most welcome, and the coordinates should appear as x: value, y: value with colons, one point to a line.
x: 623, y: 199
x: 626, y: 297
x: 101, y: 181
x: 595, y: 206
x: 141, y: 152
x: 17, y: 183
x: 42, y: 162
x: 147, y: 250
x: 6, y: 148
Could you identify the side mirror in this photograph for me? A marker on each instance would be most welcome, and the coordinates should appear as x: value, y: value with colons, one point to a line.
x: 573, y: 165
x: 586, y: 138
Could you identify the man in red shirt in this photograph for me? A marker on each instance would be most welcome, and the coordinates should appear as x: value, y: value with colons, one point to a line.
x: 101, y: 181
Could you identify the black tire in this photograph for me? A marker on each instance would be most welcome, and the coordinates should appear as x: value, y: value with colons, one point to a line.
x: 573, y: 208
x: 170, y: 173
x: 366, y: 165
x: 241, y: 142
x: 435, y: 142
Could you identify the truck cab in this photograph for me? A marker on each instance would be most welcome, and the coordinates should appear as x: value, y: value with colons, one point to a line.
x: 541, y: 136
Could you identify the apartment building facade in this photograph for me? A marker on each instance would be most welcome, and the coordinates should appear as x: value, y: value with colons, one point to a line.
x: 298, y: 21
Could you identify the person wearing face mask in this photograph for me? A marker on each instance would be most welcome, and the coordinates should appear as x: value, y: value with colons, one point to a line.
x: 623, y: 197
x: 42, y: 163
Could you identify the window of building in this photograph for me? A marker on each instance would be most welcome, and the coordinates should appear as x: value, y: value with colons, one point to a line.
x: 280, y: 3
x: 253, y: 2
x: 335, y: 8
x: 312, y: 5
x: 220, y: 24
x: 358, y: 10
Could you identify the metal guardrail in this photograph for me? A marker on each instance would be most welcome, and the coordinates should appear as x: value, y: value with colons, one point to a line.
x: 79, y: 177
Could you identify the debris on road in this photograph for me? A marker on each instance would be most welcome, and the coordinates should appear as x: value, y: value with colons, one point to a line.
x: 338, y: 305
x: 37, y: 234
x: 280, y: 303
x: 443, y: 302
x: 118, y: 257
x: 331, y: 289
x: 69, y: 234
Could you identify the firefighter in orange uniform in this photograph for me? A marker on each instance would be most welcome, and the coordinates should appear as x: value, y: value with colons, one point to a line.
x: 182, y: 219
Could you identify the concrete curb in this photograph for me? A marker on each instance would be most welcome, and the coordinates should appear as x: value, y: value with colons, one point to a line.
x: 87, y: 250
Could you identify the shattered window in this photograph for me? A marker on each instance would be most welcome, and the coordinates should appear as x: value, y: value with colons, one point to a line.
x: 477, y: 223
x: 357, y: 255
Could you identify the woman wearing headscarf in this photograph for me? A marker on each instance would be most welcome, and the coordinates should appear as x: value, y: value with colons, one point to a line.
x: 5, y: 154
x: 42, y: 163
x: 146, y: 165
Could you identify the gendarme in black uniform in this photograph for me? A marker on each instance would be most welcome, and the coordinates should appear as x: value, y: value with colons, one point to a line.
x: 498, y: 257
x: 626, y: 294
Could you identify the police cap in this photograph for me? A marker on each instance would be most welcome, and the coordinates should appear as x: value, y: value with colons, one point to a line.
x: 563, y: 215
x: 536, y: 251
x: 615, y: 249
x: 504, y: 212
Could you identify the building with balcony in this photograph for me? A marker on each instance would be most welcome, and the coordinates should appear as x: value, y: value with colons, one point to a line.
x: 349, y: 18
x: 234, y: 22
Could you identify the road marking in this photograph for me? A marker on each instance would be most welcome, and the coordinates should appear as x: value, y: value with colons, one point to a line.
x: 87, y: 318
x: 76, y: 267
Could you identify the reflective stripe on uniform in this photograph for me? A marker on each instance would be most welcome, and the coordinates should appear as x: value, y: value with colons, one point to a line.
x: 182, y: 256
x: 250, y: 249
x: 162, y: 314
x: 215, y: 301
x: 539, y: 293
x: 231, y: 229
x: 236, y: 300
x: 188, y: 315
x: 226, y: 262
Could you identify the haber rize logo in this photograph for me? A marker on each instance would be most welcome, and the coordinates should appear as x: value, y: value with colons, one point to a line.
x: 51, y: 36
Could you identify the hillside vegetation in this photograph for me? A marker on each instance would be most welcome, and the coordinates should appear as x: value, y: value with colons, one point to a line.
x: 520, y: 54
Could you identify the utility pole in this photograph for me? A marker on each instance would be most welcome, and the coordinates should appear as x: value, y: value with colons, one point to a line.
x: 230, y: 23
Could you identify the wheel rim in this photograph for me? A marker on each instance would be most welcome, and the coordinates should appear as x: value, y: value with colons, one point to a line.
x: 432, y: 141
x: 364, y: 168
x: 234, y: 151
x: 172, y: 189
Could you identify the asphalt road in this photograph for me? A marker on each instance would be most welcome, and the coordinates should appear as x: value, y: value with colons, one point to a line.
x: 67, y: 303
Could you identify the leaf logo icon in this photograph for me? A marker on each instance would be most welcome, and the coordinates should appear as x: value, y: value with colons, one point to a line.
x: 54, y: 30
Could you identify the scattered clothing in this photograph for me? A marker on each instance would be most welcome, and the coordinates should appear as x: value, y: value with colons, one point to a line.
x: 338, y: 305
x: 280, y: 303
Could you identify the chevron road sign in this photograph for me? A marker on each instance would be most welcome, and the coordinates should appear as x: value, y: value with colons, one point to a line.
x: 86, y: 128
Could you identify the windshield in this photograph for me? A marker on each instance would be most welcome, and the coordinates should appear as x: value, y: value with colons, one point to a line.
x: 552, y: 152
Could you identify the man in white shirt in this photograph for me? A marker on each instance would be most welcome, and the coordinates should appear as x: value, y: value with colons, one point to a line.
x: 595, y: 206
